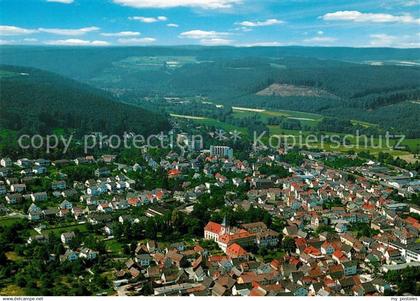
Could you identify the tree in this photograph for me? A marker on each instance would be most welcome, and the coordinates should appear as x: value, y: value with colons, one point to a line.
x: 289, y: 244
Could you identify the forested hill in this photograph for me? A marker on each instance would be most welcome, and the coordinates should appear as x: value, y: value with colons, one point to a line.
x: 36, y: 101
x: 377, y: 85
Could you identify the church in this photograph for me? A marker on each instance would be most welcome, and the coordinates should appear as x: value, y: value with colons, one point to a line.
x: 246, y: 235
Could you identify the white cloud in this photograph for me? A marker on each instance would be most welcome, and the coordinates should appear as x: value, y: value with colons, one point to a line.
x: 69, y: 32
x: 204, y: 4
x: 6, y: 30
x: 268, y: 22
x: 356, y: 16
x: 320, y: 32
x: 77, y: 42
x: 6, y: 42
x: 411, y: 3
x: 136, y: 41
x: 29, y: 40
x: 210, y: 38
x: 172, y: 25
x: 62, y: 1
x: 215, y: 42
x: 263, y: 44
x: 198, y: 34
x: 121, y: 34
x: 148, y: 19
x: 385, y: 40
x: 320, y: 40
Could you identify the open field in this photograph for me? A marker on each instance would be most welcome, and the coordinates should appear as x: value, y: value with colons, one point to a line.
x: 114, y: 246
x: 211, y: 122
x: 59, y: 230
x: 150, y: 63
x: 305, y: 118
x: 188, y: 117
x: 373, y: 145
x: 8, y: 221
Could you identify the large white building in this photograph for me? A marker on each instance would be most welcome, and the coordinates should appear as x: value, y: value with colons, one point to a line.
x: 221, y: 151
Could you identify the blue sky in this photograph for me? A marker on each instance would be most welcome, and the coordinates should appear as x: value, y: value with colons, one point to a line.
x: 368, y: 23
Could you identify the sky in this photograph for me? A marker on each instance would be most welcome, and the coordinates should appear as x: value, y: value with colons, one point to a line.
x: 357, y: 23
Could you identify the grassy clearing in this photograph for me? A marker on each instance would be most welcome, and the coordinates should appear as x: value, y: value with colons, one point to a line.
x: 305, y: 118
x: 154, y: 63
x: 8, y: 221
x: 12, y: 290
x: 4, y: 133
x: 59, y: 230
x: 5, y: 74
x: 114, y: 247
x: 221, y: 125
x: 188, y: 117
x: 13, y: 256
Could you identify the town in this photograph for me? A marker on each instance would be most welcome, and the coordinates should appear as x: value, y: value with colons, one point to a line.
x: 282, y: 222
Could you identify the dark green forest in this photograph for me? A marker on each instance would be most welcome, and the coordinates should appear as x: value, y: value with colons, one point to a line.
x: 35, y: 101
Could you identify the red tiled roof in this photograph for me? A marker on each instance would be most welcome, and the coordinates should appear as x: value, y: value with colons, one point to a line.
x: 226, y: 238
x: 174, y: 172
x: 159, y: 195
x: 213, y: 227
x: 235, y: 250
x: 312, y: 251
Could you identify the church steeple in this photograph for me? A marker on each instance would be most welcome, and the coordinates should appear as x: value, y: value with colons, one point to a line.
x: 225, y: 227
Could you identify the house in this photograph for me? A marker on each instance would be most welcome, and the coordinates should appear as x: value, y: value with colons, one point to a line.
x: 23, y: 163
x: 236, y: 251
x: 295, y: 289
x: 17, y: 187
x: 327, y: 248
x: 42, y: 162
x: 58, y: 185
x: 108, y: 230
x: 151, y: 246
x: 102, y: 172
x: 39, y: 170
x: 39, y: 196
x: 3, y: 189
x: 392, y: 255
x: 350, y: 268
x: 34, y: 213
x: 212, y: 231
x: 69, y: 255
x: 96, y: 190
x: 67, y: 237
x: 6, y: 162
x: 66, y: 205
x: 143, y: 260
x: 69, y: 193
x: 108, y: 158
x: 4, y: 172
x: 81, y: 160
x: 13, y: 198
x: 50, y: 213
x: 105, y: 207
x: 88, y: 254
x: 381, y: 285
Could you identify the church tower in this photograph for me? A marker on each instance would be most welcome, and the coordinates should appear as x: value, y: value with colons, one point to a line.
x: 225, y: 227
